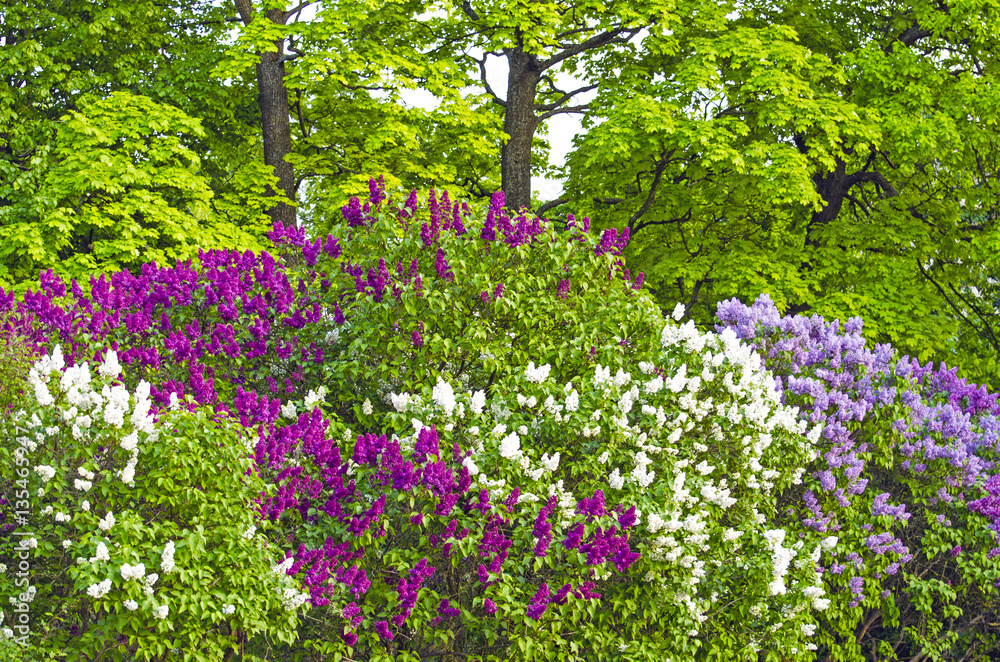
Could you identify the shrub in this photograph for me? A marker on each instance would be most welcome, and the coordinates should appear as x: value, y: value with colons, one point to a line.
x: 905, y: 476
x: 476, y: 439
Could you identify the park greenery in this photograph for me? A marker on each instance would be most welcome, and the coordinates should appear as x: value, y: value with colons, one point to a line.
x: 445, y: 433
x: 270, y: 392
x: 839, y: 156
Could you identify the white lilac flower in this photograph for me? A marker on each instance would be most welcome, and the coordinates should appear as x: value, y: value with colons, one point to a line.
x: 67, y: 544
x: 282, y: 568
x: 45, y: 472
x: 616, y: 481
x: 161, y: 612
x: 42, y: 394
x: 510, y: 446
x: 313, y: 398
x: 550, y: 463
x: 107, y: 522
x: 288, y: 410
x: 137, y: 571
x: 366, y: 407
x: 478, y: 402
x: 622, y: 378
x: 82, y: 485
x: 228, y: 609
x: 7, y: 633
x: 400, y: 401
x: 572, y: 401
x: 292, y: 599
x: 471, y: 465
x: 444, y: 396
x: 131, y: 605
x: 250, y: 532
x: 110, y: 367
x: 127, y: 474
x: 99, y: 590
x: 85, y: 506
x: 537, y: 375
x: 130, y: 441
x: 102, y: 553
x: 167, y: 559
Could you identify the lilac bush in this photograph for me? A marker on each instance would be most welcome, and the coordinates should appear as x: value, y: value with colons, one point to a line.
x: 460, y: 454
x: 480, y: 438
x: 905, y: 478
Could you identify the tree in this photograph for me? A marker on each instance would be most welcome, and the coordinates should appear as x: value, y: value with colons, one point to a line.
x: 839, y: 156
x: 329, y: 90
x: 112, y: 138
x: 539, y: 39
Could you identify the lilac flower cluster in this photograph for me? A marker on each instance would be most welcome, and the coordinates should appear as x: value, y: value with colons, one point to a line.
x: 251, y: 334
x: 931, y: 438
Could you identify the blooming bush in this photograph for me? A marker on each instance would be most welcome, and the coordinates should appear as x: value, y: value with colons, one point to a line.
x: 128, y: 517
x: 436, y: 436
x: 905, y: 476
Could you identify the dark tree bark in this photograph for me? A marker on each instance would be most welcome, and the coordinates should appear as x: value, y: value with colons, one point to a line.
x: 522, y: 113
x: 520, y: 123
x: 272, y: 95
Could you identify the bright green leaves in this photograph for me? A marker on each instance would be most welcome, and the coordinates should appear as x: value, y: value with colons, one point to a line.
x: 832, y: 155
x: 120, y: 186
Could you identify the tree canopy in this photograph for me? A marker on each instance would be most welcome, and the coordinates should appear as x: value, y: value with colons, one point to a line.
x: 839, y: 156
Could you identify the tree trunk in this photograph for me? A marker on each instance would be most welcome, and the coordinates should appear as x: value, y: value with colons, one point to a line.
x: 519, y: 122
x: 272, y: 96
x: 831, y: 186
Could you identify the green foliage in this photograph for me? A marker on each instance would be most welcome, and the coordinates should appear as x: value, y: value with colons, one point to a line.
x: 834, y: 155
x: 98, y: 129
x: 345, y: 75
x: 15, y: 360
x: 121, y: 189
x: 185, y: 485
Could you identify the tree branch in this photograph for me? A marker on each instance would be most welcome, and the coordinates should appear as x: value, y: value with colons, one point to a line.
x: 669, y: 221
x: 551, y: 204
x: 652, y: 192
x: 874, y: 177
x: 985, y: 332
x: 297, y: 10
x: 910, y: 36
x: 489, y: 89
x: 295, y: 54
x: 611, y: 36
x: 560, y: 111
x: 566, y: 97
x: 469, y: 11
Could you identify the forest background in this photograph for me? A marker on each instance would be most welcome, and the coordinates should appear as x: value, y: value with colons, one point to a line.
x: 841, y: 157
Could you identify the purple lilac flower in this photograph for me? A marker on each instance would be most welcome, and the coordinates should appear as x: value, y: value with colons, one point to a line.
x: 539, y: 603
